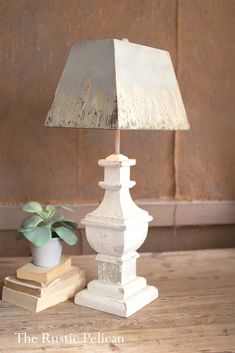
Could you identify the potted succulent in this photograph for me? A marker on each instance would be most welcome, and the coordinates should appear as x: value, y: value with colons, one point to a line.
x: 45, y: 230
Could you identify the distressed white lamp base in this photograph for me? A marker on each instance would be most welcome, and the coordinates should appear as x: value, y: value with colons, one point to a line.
x: 94, y: 298
x: 116, y: 229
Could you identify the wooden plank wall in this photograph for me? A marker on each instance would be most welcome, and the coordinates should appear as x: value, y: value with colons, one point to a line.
x: 55, y: 165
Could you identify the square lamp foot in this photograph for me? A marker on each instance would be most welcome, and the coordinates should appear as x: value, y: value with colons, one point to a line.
x: 111, y: 301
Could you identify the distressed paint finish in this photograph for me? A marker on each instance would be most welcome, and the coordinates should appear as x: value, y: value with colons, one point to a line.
x: 116, y: 229
x: 195, y: 315
x: 114, y: 84
x: 34, y: 49
x: 148, y: 95
x: 86, y: 94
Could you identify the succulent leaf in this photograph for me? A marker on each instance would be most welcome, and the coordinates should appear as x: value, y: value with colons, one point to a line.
x: 19, y: 236
x: 32, y: 207
x: 67, y: 235
x: 38, y: 236
x: 31, y: 221
x: 69, y: 222
x: 51, y: 210
x: 29, y: 233
x: 56, y: 220
x: 38, y: 228
x: 42, y: 235
x: 67, y: 208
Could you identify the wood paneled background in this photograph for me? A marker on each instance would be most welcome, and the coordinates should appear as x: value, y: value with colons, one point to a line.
x: 60, y: 165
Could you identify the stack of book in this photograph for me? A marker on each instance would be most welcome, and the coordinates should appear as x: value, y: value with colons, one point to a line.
x: 37, y: 288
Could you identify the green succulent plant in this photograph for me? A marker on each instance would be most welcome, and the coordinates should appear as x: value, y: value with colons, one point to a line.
x: 43, y: 225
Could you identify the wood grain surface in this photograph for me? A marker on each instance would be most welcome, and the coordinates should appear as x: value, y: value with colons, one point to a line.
x: 195, y: 311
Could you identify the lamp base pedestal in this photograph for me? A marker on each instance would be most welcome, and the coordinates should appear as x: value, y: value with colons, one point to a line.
x: 116, y: 229
x: 96, y: 297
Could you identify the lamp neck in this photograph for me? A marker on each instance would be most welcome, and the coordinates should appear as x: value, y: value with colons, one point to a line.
x: 117, y: 141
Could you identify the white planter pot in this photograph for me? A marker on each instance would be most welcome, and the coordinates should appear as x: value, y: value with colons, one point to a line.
x: 47, y: 255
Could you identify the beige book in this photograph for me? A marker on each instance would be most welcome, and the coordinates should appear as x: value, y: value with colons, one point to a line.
x: 43, y: 274
x: 67, y: 289
x: 21, y: 286
x: 38, y: 284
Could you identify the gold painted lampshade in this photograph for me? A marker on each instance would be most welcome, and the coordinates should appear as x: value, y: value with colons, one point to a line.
x: 115, y: 84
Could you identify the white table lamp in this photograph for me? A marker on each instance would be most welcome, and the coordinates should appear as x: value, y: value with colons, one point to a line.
x: 115, y: 84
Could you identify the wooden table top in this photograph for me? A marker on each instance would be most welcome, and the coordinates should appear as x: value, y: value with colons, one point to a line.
x: 194, y: 313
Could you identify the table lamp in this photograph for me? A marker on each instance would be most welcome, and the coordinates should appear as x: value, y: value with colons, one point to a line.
x: 117, y: 85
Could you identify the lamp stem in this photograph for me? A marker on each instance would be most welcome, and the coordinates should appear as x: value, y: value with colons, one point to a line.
x: 117, y: 141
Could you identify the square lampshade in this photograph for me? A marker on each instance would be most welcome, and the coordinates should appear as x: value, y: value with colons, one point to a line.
x: 115, y: 84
